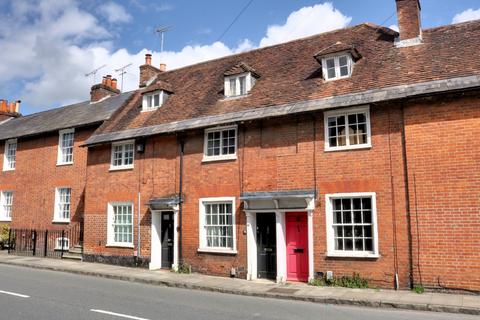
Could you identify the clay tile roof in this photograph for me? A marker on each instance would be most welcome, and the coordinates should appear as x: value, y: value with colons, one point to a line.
x: 338, y: 47
x: 241, y: 67
x: 159, y: 85
x: 290, y: 78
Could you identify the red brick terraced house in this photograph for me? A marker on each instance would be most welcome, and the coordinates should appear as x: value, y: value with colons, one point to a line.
x: 43, y: 177
x: 352, y: 151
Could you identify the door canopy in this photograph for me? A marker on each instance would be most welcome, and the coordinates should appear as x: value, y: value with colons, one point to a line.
x: 279, y: 200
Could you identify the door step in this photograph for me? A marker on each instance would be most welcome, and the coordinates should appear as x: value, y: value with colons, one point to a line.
x: 74, y: 253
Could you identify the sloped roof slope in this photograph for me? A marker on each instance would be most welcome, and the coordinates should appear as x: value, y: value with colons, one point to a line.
x: 71, y: 116
x: 291, y: 75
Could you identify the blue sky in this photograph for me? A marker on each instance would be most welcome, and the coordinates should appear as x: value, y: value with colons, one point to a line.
x: 47, y: 46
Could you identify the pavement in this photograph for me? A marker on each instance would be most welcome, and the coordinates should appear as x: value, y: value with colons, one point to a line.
x: 377, y: 298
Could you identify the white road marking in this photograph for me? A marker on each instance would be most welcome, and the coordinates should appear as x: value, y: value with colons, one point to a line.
x: 15, y: 294
x: 117, y: 314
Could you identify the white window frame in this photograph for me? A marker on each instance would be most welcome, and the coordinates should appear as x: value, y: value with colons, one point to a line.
x: 236, y: 77
x: 331, y: 252
x: 61, y: 134
x: 3, y: 214
x: 7, y: 163
x: 336, y: 58
x: 122, y: 166
x: 110, y: 225
x: 346, y: 112
x: 233, y: 156
x: 162, y: 98
x: 56, y: 214
x: 202, y: 234
x: 58, y: 243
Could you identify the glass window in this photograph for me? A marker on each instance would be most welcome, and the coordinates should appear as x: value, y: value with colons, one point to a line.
x: 62, y: 210
x: 6, y: 205
x: 352, y: 230
x: 347, y: 129
x: 218, y: 224
x: 65, y: 150
x: 10, y: 155
x: 153, y: 100
x: 121, y: 224
x: 337, y: 67
x: 122, y: 155
x: 221, y: 142
x: 238, y: 85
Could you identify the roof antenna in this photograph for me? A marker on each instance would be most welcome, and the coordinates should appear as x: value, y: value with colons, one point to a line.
x: 122, y: 72
x: 94, y: 73
x: 161, y: 31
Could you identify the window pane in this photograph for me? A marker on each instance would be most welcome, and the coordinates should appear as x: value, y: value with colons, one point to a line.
x: 331, y: 73
x: 330, y: 63
x: 233, y: 87
x: 156, y: 100
x: 243, y: 84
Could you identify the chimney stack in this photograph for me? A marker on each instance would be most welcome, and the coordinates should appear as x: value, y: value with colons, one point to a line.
x: 107, y: 88
x: 9, y: 110
x: 147, y: 71
x: 409, y: 21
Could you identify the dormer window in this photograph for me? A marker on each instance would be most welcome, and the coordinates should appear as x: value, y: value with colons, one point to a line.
x: 337, y: 67
x: 153, y: 100
x: 238, y: 85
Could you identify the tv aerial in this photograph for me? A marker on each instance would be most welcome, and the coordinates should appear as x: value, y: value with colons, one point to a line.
x: 161, y: 32
x: 122, y: 71
x: 94, y: 73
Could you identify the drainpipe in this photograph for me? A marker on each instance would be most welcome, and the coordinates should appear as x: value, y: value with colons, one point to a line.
x: 138, y: 218
x: 180, y: 205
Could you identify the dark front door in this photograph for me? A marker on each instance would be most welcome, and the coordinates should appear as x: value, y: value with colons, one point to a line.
x: 266, y: 246
x: 167, y: 239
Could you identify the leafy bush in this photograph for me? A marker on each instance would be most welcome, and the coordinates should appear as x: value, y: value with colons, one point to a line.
x: 418, y: 288
x: 354, y: 281
x: 184, y: 268
x: 4, y: 235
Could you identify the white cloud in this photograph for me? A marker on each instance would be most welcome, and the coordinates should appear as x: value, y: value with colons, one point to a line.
x: 114, y: 12
x: 305, y: 22
x: 47, y: 55
x: 394, y: 27
x: 466, y: 15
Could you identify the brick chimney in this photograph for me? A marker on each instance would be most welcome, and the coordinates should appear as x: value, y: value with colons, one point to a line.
x: 409, y: 21
x: 147, y: 71
x: 9, y: 110
x: 107, y: 88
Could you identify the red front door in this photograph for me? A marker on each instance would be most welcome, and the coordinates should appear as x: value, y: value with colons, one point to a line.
x: 297, y: 246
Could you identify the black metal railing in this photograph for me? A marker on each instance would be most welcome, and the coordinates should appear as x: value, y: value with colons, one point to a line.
x: 44, y: 243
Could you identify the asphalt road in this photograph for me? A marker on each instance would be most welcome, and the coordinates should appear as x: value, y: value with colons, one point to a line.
x: 38, y: 294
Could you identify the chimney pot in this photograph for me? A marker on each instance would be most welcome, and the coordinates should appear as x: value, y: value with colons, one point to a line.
x: 3, y: 105
x: 11, y: 108
x: 409, y: 21
x: 108, y: 80
x: 114, y: 83
x: 148, y: 59
x: 163, y: 67
x: 104, y: 80
x: 17, y: 106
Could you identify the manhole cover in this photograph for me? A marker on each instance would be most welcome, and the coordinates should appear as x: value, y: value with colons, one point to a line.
x: 283, y: 290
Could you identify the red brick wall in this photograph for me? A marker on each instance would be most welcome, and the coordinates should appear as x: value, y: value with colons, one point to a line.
x: 37, y: 175
x: 444, y: 184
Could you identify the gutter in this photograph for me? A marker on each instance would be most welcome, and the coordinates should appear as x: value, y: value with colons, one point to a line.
x: 348, y: 100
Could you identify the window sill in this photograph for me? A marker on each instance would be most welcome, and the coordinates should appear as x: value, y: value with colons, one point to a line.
x: 120, y: 168
x: 218, y: 251
x: 120, y: 245
x: 8, y: 170
x: 66, y: 221
x: 226, y: 98
x: 5, y: 219
x: 60, y: 164
x: 150, y: 110
x: 219, y: 158
x: 365, y: 255
x: 346, y: 148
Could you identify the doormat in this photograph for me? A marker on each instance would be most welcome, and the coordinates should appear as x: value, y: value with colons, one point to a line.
x: 283, y: 290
